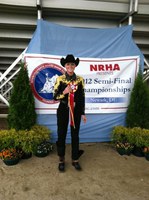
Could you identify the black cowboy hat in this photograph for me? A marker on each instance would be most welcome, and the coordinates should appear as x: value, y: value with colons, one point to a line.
x: 69, y: 59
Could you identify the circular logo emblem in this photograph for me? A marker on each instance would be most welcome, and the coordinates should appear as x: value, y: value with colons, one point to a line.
x: 43, y: 79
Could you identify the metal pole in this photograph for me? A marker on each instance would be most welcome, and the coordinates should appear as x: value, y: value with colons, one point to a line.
x: 136, y: 6
x: 130, y: 10
x: 39, y: 9
x: 133, y: 9
x: 12, y: 66
x: 4, y: 100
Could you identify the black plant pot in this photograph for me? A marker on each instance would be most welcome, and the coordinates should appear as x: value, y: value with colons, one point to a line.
x: 26, y: 155
x: 41, y: 154
x: 147, y: 156
x: 10, y: 162
x: 123, y: 151
x: 138, y: 151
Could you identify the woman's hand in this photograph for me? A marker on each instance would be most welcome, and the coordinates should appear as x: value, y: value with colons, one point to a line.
x: 67, y: 90
x: 84, y: 118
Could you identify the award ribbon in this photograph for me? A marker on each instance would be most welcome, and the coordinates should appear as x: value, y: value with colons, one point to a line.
x: 71, y: 102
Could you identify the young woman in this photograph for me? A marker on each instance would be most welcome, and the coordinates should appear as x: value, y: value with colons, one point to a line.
x: 69, y: 89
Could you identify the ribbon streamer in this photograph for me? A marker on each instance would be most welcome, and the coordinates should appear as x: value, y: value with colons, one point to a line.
x: 71, y: 107
x: 71, y: 102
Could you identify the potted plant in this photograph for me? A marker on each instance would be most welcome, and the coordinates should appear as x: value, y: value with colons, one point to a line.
x: 44, y: 146
x: 24, y: 143
x: 146, y: 143
x: 138, y: 140
x: 124, y: 148
x: 146, y: 152
x: 10, y: 156
x: 120, y: 138
x: 30, y: 140
x: 9, y: 153
x: 27, y: 141
x: 43, y: 149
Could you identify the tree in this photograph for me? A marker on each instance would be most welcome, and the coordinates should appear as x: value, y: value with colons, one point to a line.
x: 21, y: 113
x: 138, y: 109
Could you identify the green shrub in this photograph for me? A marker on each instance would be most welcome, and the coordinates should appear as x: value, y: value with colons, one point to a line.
x: 136, y: 136
x: 8, y: 138
x: 138, y: 109
x: 43, y: 132
x: 26, y: 140
x: 145, y: 135
x: 119, y: 134
x: 21, y: 113
x: 29, y: 140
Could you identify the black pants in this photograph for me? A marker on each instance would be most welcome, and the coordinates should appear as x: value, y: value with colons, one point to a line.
x: 62, y: 122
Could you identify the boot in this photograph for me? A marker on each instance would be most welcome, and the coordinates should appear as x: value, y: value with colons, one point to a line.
x: 61, y: 165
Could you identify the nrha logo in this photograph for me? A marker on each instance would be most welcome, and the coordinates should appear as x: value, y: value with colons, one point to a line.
x: 43, y: 79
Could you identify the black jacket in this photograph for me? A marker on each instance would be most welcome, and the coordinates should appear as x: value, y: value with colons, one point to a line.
x: 79, y: 95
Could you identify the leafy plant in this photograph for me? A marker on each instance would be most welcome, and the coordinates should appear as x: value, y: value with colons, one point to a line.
x: 43, y: 149
x: 126, y: 146
x: 138, y: 109
x: 21, y: 113
x: 120, y: 138
x: 119, y: 134
x: 44, y: 145
x: 135, y: 136
x: 8, y: 138
x: 146, y: 137
x: 29, y: 140
x: 9, y: 144
x: 25, y: 140
x: 42, y: 131
x: 10, y: 153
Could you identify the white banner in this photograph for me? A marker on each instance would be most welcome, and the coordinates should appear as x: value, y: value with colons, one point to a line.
x: 108, y: 82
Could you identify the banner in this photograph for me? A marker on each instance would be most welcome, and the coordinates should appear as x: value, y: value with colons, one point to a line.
x: 108, y: 82
x: 109, y: 62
